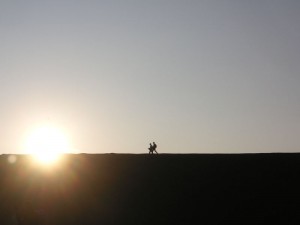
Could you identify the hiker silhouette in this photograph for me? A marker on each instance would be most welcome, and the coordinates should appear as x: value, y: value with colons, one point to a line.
x: 152, y: 148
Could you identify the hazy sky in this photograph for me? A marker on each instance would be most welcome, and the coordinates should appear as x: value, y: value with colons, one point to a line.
x: 199, y: 76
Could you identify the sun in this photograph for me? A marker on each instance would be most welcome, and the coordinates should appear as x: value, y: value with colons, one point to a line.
x: 46, y: 144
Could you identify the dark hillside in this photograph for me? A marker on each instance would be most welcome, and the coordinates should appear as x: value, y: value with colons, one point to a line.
x: 153, y: 189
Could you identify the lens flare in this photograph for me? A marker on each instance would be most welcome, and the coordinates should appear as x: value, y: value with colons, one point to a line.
x: 12, y: 159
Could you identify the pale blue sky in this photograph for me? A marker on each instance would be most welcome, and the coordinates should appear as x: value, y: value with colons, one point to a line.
x: 199, y: 76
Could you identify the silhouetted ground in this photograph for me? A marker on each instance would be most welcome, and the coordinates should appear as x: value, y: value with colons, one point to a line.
x: 153, y: 189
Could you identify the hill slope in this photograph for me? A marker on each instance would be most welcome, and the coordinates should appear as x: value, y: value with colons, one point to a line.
x: 153, y: 189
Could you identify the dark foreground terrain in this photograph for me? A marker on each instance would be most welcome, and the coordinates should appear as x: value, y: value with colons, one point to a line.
x: 152, y: 189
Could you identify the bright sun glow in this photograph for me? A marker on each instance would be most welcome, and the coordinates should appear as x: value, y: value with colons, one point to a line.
x: 46, y: 144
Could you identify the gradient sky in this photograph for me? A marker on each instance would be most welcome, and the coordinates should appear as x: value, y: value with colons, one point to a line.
x: 201, y: 76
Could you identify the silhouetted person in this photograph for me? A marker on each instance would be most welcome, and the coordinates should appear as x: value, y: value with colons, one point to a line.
x: 154, y: 148
x: 150, y: 149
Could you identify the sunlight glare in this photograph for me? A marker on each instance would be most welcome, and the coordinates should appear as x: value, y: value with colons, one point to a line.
x: 46, y: 144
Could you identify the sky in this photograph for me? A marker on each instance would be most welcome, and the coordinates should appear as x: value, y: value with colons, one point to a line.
x: 195, y: 76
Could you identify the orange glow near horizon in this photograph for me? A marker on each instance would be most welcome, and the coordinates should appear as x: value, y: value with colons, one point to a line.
x: 46, y: 144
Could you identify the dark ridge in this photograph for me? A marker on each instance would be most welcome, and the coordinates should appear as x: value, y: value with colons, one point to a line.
x: 152, y: 189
